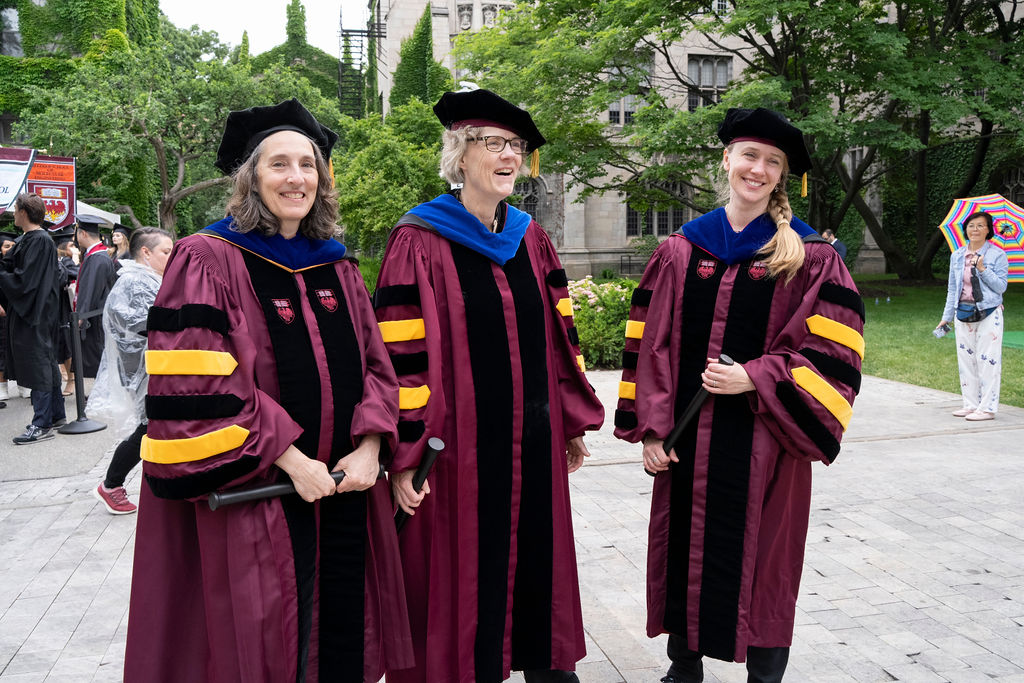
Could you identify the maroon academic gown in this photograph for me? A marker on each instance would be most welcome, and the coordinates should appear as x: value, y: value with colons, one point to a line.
x: 488, y: 360
x: 729, y: 521
x: 278, y: 590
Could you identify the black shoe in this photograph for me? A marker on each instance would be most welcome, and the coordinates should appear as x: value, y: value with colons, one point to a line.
x: 33, y: 434
x: 3, y: 404
x: 59, y: 423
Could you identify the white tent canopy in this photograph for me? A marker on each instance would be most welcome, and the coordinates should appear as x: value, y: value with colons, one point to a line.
x: 89, y: 210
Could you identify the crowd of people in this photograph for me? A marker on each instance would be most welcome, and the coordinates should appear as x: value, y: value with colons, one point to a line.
x: 251, y: 354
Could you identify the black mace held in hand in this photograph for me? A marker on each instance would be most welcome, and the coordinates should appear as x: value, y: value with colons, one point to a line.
x: 222, y: 498
x: 691, y: 410
x: 434, y: 448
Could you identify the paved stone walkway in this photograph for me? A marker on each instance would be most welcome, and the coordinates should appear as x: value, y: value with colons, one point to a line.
x: 914, y: 568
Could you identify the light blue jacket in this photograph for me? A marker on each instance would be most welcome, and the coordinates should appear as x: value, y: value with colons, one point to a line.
x: 993, y: 279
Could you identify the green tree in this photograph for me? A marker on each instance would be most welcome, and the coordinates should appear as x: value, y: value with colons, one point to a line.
x: 295, y: 54
x: 295, y: 26
x: 241, y: 54
x: 882, y: 82
x: 385, y: 169
x: 417, y: 74
x: 165, y: 104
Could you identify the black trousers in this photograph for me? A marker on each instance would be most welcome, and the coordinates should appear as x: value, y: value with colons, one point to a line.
x: 550, y: 676
x: 126, y: 456
x: 764, y: 664
x: 47, y: 406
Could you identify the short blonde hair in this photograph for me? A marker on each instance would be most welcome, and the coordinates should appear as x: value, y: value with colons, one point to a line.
x: 453, y: 148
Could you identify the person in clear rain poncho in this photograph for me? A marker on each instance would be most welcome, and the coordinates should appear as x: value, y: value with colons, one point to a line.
x: 119, y: 395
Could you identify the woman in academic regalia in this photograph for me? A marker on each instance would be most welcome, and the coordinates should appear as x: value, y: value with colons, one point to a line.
x: 730, y: 507
x: 120, y: 237
x: 266, y: 364
x: 474, y: 308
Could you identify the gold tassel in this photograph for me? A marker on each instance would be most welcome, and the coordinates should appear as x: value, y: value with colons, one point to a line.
x: 803, y: 185
x: 535, y: 163
x: 330, y: 169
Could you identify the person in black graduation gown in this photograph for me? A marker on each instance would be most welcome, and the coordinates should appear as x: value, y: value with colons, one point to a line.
x: 95, y: 278
x: 7, y: 240
x: 67, y: 254
x: 30, y: 282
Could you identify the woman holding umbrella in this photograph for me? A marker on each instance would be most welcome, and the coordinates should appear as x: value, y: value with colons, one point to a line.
x: 730, y: 506
x: 978, y: 274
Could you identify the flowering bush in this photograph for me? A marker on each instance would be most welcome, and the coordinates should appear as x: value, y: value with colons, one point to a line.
x: 601, y: 311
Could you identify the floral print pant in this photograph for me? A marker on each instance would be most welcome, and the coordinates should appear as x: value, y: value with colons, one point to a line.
x: 979, y: 348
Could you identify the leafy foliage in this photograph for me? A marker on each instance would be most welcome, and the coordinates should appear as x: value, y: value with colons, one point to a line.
x: 68, y: 27
x: 885, y: 80
x: 601, y: 311
x: 387, y: 167
x: 163, y: 104
x: 417, y: 74
x: 313, y: 64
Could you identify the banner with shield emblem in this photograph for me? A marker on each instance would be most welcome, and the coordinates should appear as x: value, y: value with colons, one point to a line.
x: 53, y: 179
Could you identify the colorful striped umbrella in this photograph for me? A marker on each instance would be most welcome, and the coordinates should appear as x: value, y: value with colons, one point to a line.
x: 1008, y: 219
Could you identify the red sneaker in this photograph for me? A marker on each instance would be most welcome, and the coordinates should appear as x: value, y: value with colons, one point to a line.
x: 115, y: 500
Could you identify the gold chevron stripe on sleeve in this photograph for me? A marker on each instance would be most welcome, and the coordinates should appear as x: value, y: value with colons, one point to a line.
x: 402, y: 330
x: 410, y: 398
x: 823, y: 393
x: 174, y: 451
x: 582, y: 363
x: 627, y: 390
x: 836, y: 331
x: 190, y: 362
x: 634, y: 329
x: 564, y: 306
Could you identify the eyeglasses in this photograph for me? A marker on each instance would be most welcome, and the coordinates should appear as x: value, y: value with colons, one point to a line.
x: 496, y: 143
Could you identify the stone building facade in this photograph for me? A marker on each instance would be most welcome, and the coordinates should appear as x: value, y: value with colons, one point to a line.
x: 592, y: 234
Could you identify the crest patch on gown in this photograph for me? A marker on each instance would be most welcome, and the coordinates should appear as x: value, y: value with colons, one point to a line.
x: 327, y: 299
x: 757, y: 270
x: 706, y: 268
x: 284, y: 310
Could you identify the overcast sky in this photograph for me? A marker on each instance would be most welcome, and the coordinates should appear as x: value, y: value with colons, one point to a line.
x: 265, y: 20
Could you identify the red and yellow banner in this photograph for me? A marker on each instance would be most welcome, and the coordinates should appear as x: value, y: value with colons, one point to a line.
x: 53, y: 179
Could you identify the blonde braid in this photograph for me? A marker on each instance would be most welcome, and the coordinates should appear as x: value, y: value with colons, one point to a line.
x: 784, y: 251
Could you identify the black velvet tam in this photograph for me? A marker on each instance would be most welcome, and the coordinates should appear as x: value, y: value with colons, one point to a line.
x: 7, y: 237
x: 123, y: 229
x: 65, y: 234
x: 90, y: 223
x: 482, y: 108
x: 247, y: 128
x: 771, y: 127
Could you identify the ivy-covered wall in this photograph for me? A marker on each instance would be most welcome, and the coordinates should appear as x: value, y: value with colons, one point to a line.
x: 67, y: 27
x: 17, y: 73
x: 318, y: 67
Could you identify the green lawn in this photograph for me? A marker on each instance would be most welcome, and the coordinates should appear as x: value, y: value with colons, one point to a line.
x: 900, y: 345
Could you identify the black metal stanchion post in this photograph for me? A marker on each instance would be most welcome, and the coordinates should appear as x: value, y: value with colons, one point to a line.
x: 82, y: 425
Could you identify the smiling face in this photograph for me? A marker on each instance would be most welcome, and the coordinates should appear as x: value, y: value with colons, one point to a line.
x: 754, y: 169
x: 287, y: 178
x: 977, y: 230
x: 490, y: 174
